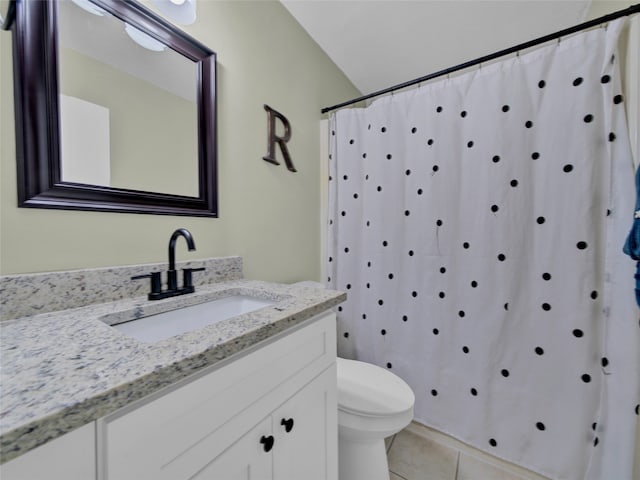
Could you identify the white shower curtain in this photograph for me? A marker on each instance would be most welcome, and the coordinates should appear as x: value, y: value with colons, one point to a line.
x: 477, y: 226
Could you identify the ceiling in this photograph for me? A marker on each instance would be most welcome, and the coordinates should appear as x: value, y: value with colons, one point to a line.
x: 379, y: 43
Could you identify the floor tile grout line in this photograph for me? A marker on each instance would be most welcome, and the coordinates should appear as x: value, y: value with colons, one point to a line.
x: 398, y: 475
x: 391, y: 443
x: 455, y: 477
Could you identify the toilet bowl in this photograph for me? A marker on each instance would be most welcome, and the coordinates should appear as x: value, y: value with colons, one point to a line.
x: 373, y: 404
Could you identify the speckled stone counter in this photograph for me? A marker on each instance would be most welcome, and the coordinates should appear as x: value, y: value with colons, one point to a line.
x: 61, y: 370
x: 31, y: 294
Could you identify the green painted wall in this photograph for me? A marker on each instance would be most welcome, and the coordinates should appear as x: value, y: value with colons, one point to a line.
x: 268, y: 215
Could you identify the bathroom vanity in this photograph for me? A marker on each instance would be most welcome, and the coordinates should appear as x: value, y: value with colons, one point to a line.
x: 253, y: 396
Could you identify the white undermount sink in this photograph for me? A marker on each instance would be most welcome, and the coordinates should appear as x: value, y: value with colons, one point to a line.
x: 161, y: 326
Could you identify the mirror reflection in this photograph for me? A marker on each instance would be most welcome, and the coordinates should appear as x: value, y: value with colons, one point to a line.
x: 116, y: 86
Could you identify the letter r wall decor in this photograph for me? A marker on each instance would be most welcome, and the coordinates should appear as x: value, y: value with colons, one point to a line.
x: 273, y: 139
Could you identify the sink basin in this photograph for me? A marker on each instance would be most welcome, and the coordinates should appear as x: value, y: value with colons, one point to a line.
x: 169, y: 324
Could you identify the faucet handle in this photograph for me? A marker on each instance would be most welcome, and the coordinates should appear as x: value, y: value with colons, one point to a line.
x: 187, y: 279
x: 156, y: 281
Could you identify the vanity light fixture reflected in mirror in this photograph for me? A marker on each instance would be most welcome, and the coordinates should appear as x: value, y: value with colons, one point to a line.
x: 143, y: 39
x: 136, y: 35
x: 92, y: 8
x: 180, y: 11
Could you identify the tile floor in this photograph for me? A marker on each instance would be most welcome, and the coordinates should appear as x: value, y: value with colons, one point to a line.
x: 420, y: 453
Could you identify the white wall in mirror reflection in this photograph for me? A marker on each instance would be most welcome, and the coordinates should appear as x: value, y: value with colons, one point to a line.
x: 84, y: 142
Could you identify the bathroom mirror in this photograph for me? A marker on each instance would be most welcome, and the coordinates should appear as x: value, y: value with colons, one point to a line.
x: 115, y: 110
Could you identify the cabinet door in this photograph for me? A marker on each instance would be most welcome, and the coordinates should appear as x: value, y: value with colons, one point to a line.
x: 309, y: 449
x: 70, y: 457
x: 177, y: 433
x: 246, y: 459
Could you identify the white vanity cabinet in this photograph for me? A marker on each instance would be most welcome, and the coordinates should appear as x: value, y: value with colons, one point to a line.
x: 309, y: 449
x: 232, y: 422
x: 292, y: 443
x: 69, y: 457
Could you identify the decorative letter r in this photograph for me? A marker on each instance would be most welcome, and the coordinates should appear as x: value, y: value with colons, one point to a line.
x: 281, y: 141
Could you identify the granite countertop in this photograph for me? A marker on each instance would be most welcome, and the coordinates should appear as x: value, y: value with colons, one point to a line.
x: 64, y: 369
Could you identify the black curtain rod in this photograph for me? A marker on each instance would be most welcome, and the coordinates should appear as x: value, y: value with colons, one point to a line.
x: 562, y: 33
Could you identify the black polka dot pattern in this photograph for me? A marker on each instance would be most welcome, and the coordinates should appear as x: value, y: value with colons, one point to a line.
x: 465, y: 232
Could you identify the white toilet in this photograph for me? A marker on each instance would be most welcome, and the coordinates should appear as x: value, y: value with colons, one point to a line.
x: 373, y: 404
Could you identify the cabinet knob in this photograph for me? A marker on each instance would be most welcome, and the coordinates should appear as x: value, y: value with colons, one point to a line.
x: 288, y: 424
x: 267, y: 442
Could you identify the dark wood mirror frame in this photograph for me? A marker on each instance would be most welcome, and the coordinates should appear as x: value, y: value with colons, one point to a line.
x: 7, y: 12
x: 35, y: 60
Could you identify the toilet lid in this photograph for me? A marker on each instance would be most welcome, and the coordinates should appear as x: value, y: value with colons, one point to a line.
x: 371, y: 390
